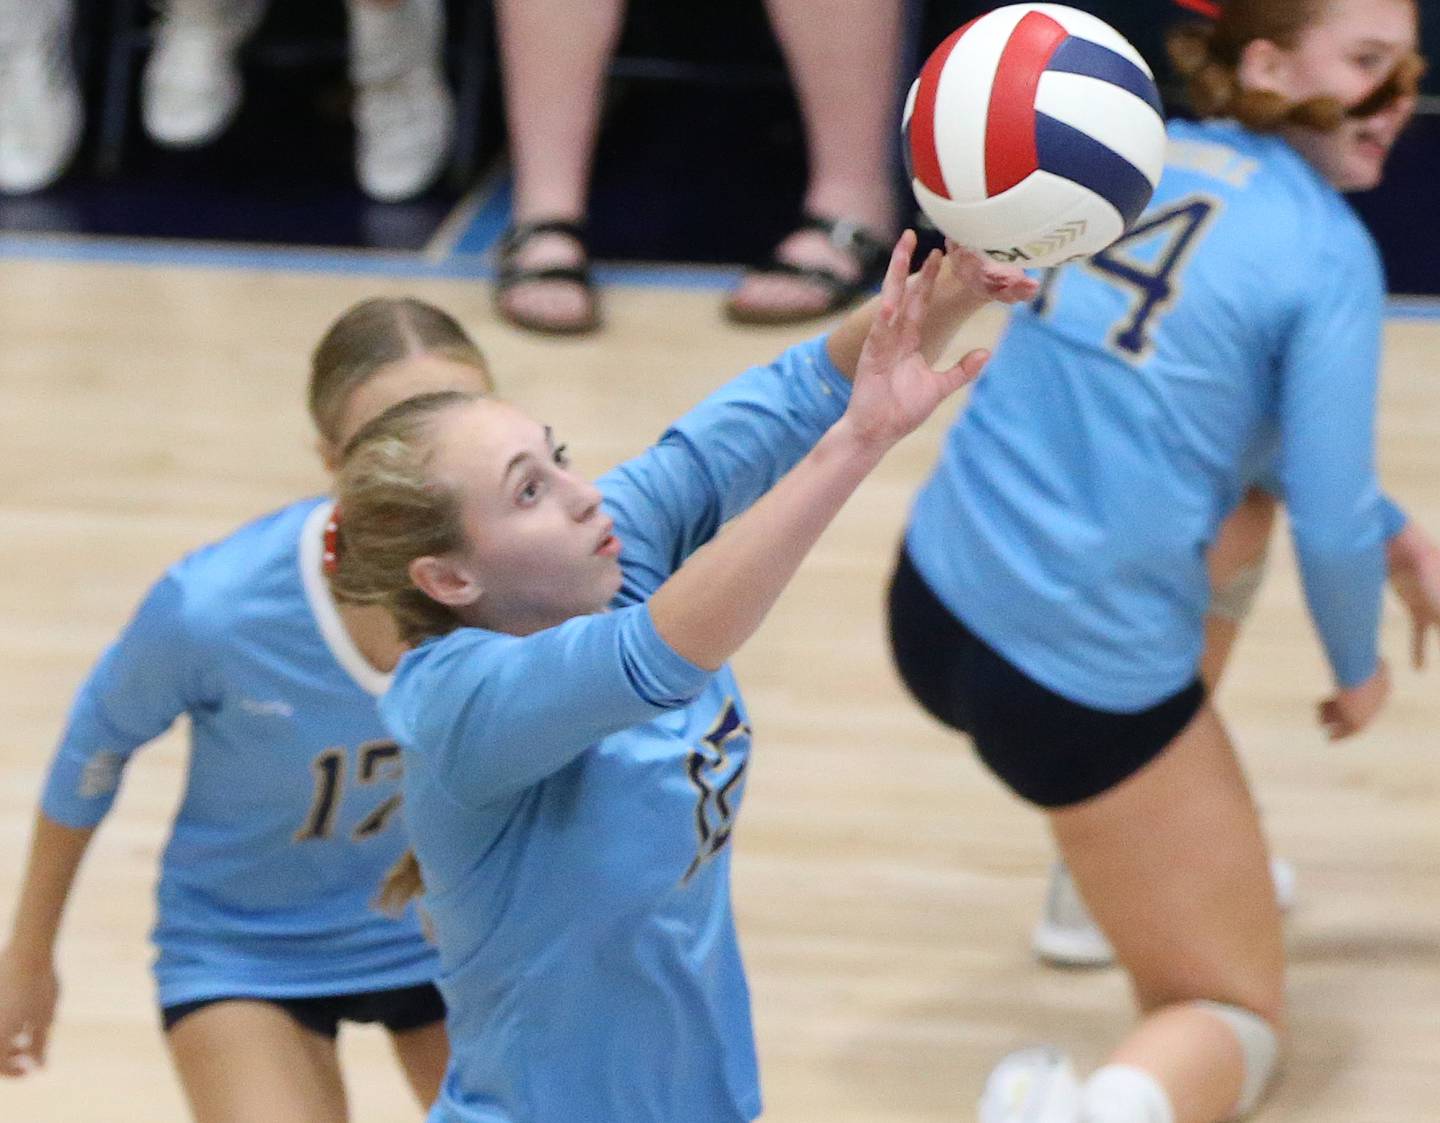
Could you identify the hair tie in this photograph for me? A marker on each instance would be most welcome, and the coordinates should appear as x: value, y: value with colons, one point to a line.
x: 1210, y: 9
x: 330, y: 556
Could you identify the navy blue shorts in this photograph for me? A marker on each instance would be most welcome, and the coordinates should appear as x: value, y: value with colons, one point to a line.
x: 1047, y: 749
x: 398, y: 1010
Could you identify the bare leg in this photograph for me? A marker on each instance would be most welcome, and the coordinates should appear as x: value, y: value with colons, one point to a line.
x: 1173, y: 866
x: 554, y: 56
x: 240, y: 1061
x: 1242, y: 542
x: 843, y: 57
x: 423, y: 1055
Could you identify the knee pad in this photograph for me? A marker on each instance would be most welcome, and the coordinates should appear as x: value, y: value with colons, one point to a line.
x: 1259, y: 1046
x: 1233, y: 600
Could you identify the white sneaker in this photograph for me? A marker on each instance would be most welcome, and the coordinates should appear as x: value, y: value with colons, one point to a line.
x: 404, y: 114
x: 40, y: 111
x: 1033, y: 1085
x: 191, y: 88
x: 403, y: 132
x: 1068, y: 936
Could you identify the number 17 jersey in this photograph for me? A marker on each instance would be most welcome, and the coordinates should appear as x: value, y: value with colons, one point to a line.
x: 289, y: 817
x: 1068, y: 520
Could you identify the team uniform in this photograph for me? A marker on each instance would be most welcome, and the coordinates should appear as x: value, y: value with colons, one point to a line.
x: 571, y: 794
x: 289, y: 818
x: 1232, y: 335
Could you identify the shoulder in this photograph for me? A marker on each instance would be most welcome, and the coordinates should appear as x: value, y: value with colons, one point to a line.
x: 436, y: 666
x: 222, y: 580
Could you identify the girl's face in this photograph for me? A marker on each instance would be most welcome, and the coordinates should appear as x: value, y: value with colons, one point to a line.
x: 538, y: 548
x: 1347, y: 54
x: 389, y: 385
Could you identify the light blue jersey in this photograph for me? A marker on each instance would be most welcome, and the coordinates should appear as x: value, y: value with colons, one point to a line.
x: 1068, y: 520
x: 288, y: 821
x: 571, y: 795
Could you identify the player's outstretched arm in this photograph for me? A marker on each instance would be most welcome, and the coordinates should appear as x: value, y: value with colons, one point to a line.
x: 967, y: 282
x: 717, y: 599
x: 29, y: 986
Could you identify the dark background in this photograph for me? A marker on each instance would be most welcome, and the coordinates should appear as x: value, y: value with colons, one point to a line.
x: 701, y: 157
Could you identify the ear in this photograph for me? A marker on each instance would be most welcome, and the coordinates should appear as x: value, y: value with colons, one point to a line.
x: 1265, y: 67
x: 446, y: 580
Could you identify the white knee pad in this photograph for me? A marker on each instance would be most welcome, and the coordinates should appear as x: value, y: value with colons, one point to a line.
x: 1124, y: 1094
x: 1259, y: 1045
x: 1236, y: 597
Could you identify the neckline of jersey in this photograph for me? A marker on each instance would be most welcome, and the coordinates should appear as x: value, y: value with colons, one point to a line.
x: 327, y: 612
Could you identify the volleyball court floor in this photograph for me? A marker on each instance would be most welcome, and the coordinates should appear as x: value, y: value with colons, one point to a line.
x: 885, y: 884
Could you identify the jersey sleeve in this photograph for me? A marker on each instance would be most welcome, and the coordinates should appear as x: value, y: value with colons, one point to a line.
x: 1329, y: 382
x: 149, y: 676
x: 718, y: 459
x: 1392, y: 516
x: 493, y: 714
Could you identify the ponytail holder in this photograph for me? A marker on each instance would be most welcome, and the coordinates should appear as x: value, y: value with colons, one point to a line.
x: 1210, y: 9
x: 330, y: 555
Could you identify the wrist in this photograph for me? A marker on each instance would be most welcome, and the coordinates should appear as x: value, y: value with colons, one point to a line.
x: 853, y: 441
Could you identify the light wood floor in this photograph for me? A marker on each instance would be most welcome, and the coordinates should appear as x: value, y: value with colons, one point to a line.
x: 885, y: 884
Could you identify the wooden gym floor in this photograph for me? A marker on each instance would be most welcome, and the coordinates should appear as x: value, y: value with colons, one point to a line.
x: 885, y: 884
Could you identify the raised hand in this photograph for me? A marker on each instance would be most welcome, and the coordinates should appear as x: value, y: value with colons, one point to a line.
x: 1006, y: 284
x: 896, y: 389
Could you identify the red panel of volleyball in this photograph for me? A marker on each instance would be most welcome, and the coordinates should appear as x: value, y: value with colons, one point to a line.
x: 1035, y: 133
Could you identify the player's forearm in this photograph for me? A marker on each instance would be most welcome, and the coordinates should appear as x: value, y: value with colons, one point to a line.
x: 55, y: 855
x: 719, y: 597
x: 952, y: 303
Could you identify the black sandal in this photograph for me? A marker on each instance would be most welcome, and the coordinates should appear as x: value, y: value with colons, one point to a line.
x: 869, y: 252
x: 510, y: 274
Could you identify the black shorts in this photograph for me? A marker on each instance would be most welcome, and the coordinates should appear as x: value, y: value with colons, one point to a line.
x: 398, y: 1010
x: 1047, y: 749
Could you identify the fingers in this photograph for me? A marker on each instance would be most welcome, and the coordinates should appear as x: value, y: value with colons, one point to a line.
x: 16, y: 1058
x: 1334, y: 720
x: 892, y: 289
x: 967, y: 370
x: 1008, y: 284
x: 917, y: 296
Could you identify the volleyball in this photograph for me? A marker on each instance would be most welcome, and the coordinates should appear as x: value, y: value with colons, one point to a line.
x: 1034, y: 134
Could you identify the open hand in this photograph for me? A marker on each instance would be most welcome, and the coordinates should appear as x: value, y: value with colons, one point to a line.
x: 896, y: 389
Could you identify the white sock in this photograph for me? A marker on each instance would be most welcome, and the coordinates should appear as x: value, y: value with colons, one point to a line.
x: 1124, y: 1094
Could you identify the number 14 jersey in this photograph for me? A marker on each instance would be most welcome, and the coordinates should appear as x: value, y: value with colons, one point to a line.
x: 1125, y: 411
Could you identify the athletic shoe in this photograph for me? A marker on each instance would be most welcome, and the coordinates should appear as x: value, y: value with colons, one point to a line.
x: 1067, y: 936
x: 1032, y: 1085
x: 40, y: 111
x: 191, y: 88
x: 404, y: 115
x: 403, y: 131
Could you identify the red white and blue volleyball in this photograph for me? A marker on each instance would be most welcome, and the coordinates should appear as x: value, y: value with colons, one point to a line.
x: 1035, y: 134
